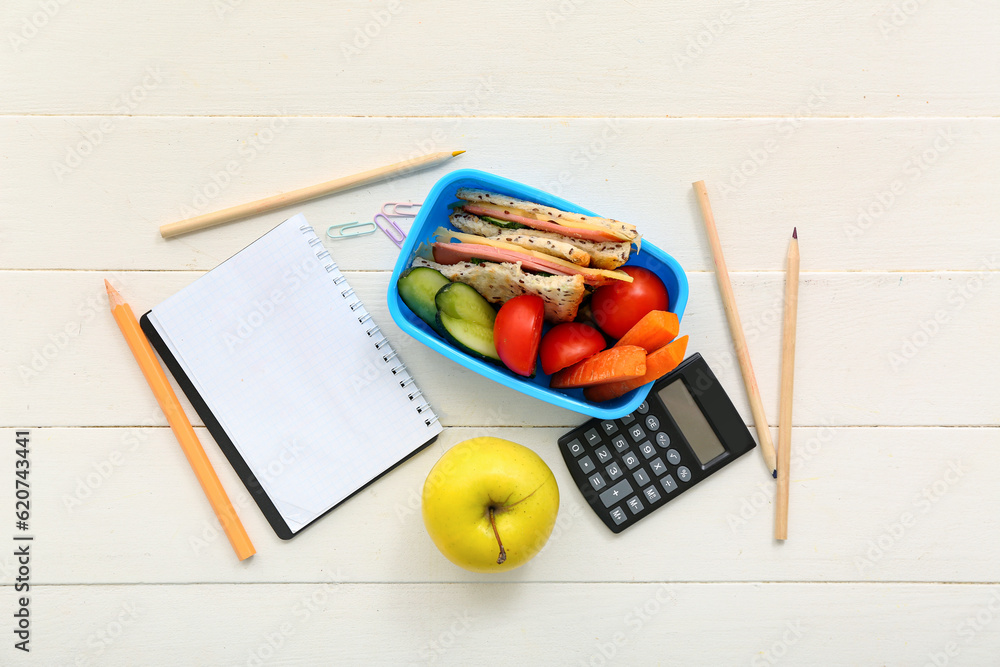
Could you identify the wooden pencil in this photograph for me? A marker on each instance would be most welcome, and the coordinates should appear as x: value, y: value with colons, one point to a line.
x: 787, y: 382
x: 304, y: 194
x: 179, y: 423
x: 736, y: 330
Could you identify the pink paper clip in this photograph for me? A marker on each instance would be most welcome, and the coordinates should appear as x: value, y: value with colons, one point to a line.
x: 390, y: 222
x: 400, y: 209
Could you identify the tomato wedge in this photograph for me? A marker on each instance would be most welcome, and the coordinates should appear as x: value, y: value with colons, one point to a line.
x: 617, y: 307
x: 567, y: 343
x: 517, y: 333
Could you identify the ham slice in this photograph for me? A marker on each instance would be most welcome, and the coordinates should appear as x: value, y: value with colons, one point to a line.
x: 542, y: 225
x: 453, y: 253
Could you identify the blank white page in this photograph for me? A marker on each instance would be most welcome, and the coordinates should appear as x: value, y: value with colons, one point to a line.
x: 279, y: 348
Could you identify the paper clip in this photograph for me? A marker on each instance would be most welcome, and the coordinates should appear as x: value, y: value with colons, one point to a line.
x: 392, y: 237
x: 400, y: 209
x: 343, y: 231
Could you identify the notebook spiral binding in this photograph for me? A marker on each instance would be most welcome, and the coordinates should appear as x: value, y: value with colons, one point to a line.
x: 380, y: 341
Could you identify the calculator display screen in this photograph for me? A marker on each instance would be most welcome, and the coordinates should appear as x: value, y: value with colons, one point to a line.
x: 691, y: 421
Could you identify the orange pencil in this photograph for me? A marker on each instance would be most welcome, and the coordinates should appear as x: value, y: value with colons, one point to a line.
x: 180, y: 424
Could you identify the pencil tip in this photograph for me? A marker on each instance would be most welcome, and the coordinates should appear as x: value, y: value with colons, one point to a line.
x: 114, y: 298
x: 774, y: 474
x: 454, y: 153
x: 795, y: 233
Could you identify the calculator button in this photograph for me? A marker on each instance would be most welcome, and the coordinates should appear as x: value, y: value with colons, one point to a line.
x: 628, y: 419
x: 652, y: 495
x: 616, y: 493
x: 618, y: 516
x: 669, y: 485
x: 641, y: 478
x: 684, y: 474
x: 631, y: 460
x: 673, y: 457
x: 609, y: 427
x: 652, y: 423
x: 592, y: 436
x: 662, y: 439
x: 614, y: 472
x: 635, y: 504
x: 603, y: 455
x: 636, y: 432
x: 658, y: 466
x: 643, y: 408
x: 619, y: 442
x: 647, y: 449
x: 597, y: 481
x: 587, y: 464
x: 574, y: 447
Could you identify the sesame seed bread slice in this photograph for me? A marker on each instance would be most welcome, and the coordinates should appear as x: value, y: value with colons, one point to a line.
x: 550, y: 244
x: 598, y: 254
x: 500, y: 282
x: 621, y: 230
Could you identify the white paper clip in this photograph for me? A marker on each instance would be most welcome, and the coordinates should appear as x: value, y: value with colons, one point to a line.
x: 400, y: 209
x: 350, y: 229
x: 392, y: 237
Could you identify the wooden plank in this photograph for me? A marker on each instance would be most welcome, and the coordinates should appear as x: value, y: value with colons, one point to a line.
x: 876, y: 349
x: 867, y: 504
x: 870, y: 127
x: 670, y: 623
x: 721, y: 58
x: 865, y: 194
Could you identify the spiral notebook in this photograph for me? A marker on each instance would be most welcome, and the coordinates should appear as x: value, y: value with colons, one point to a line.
x: 293, y: 379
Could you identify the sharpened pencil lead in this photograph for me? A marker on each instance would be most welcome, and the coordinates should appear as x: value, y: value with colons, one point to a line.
x: 457, y: 153
x: 114, y: 298
x: 795, y: 233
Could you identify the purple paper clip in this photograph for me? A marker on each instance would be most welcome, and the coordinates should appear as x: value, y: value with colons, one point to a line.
x: 392, y: 237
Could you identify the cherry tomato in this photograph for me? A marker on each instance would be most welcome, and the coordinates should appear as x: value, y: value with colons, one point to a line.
x: 617, y: 307
x: 518, y: 331
x: 565, y: 344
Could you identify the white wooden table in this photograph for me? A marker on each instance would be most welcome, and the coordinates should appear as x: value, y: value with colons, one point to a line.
x: 871, y: 126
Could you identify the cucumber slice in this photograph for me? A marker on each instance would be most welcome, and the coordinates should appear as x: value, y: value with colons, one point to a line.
x: 417, y: 288
x: 470, y: 337
x: 467, y: 320
x: 460, y: 301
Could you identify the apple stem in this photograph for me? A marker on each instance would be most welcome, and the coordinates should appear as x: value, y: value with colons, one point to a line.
x: 503, y: 554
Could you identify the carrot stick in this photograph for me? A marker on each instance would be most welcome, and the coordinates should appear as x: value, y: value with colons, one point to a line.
x: 653, y: 331
x: 658, y: 364
x: 618, y: 363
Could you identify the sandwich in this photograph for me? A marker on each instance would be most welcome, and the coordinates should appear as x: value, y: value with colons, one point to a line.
x: 505, y: 247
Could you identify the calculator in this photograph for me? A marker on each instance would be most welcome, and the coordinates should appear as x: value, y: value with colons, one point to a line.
x: 685, y: 430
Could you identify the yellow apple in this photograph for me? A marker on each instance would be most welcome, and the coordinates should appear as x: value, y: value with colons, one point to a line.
x: 490, y: 504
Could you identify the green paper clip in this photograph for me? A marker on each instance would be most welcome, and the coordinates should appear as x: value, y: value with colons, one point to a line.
x: 343, y: 231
